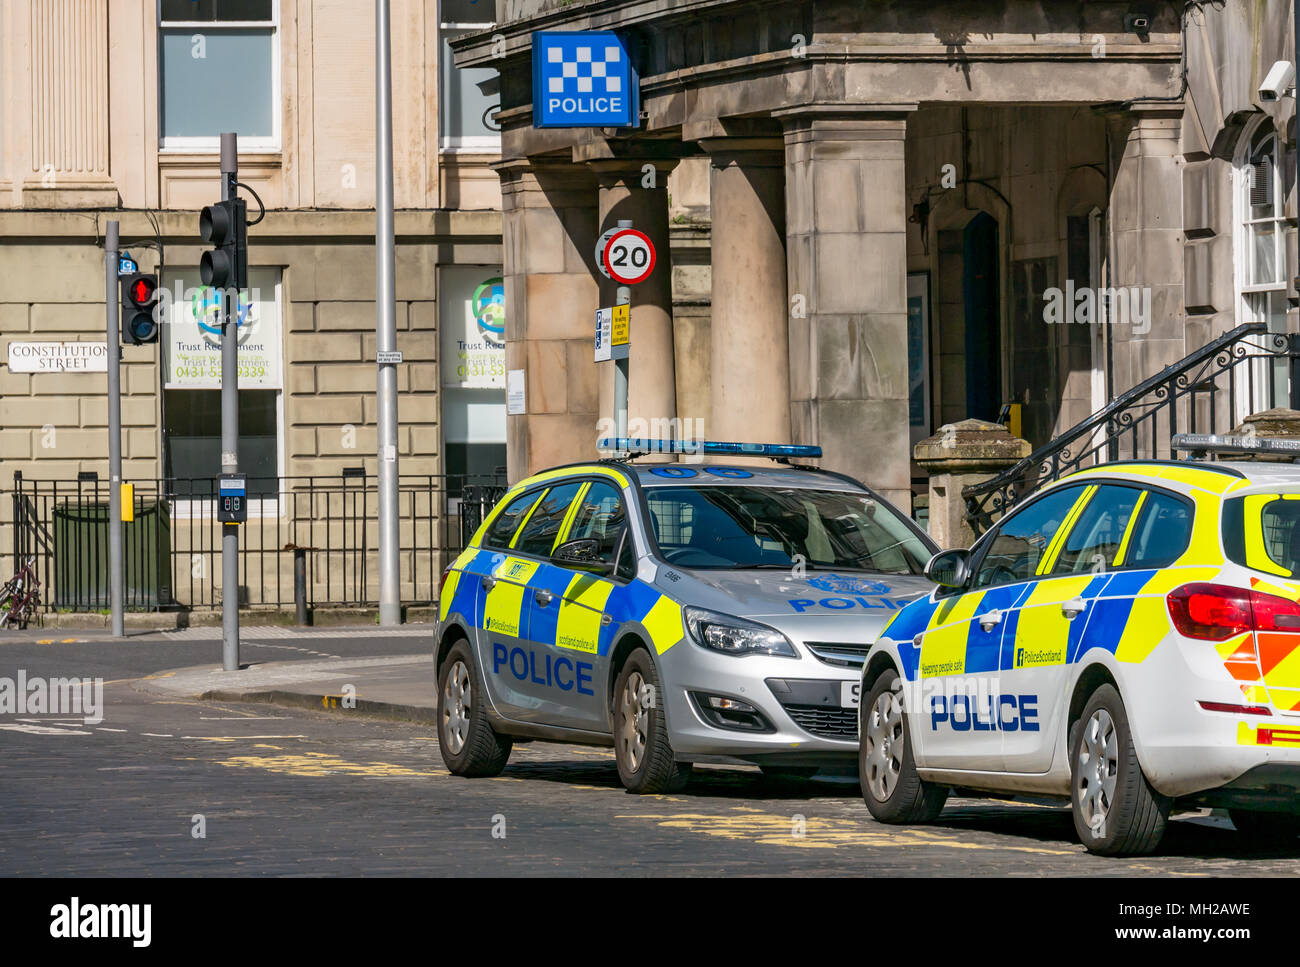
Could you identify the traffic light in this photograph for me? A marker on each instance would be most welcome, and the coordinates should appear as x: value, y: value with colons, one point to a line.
x: 225, y: 226
x: 139, y: 300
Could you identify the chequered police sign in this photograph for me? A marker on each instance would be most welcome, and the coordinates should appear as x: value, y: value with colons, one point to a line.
x: 583, y: 79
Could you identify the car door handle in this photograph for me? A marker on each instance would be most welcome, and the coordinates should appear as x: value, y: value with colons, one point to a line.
x: 489, y: 582
x: 543, y: 598
x: 1073, y: 608
x: 991, y: 620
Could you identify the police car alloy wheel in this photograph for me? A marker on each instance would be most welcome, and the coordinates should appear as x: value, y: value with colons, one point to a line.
x: 469, y: 745
x: 1265, y: 827
x: 893, y: 791
x: 641, y: 748
x: 1116, y: 812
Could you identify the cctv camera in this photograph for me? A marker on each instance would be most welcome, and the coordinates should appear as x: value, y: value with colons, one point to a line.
x: 1278, y: 82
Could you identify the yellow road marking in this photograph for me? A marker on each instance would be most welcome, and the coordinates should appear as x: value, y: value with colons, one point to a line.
x: 772, y: 829
x: 323, y: 764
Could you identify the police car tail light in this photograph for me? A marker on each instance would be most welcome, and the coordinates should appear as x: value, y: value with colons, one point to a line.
x: 442, y: 581
x: 1216, y: 612
x: 736, y: 636
x: 1211, y: 612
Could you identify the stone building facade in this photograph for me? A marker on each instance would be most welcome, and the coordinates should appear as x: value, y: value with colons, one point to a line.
x: 900, y: 195
x: 110, y: 109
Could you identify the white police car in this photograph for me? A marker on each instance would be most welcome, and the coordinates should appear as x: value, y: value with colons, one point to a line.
x: 681, y: 613
x: 1129, y: 637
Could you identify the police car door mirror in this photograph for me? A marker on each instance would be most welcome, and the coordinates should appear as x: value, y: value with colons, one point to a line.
x: 582, y: 555
x: 949, y: 569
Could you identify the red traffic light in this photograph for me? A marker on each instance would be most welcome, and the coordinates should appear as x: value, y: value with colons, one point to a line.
x: 142, y: 290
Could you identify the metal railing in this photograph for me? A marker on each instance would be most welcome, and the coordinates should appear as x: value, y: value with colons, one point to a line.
x: 1211, y: 390
x: 172, y: 548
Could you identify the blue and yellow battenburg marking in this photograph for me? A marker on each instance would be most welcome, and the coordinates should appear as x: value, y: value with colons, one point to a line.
x: 1124, y: 614
x: 575, y: 620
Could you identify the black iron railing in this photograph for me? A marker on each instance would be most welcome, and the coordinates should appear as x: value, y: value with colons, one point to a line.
x: 1209, y: 391
x: 172, y: 548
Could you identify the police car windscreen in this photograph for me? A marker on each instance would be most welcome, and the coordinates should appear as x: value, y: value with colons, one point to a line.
x: 756, y: 527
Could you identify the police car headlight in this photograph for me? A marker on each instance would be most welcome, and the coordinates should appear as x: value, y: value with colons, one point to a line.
x: 736, y: 636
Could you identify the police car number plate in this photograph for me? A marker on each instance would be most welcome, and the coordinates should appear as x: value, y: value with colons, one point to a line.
x: 850, y: 694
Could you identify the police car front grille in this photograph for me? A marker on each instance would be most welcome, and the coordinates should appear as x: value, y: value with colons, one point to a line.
x: 830, y: 723
x: 838, y: 653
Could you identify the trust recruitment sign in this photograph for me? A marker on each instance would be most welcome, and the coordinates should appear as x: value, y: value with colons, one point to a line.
x: 583, y: 79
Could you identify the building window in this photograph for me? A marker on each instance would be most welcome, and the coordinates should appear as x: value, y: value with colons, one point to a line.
x: 473, y: 327
x: 191, y: 358
x: 219, y: 70
x: 468, y: 98
x: 1261, y: 249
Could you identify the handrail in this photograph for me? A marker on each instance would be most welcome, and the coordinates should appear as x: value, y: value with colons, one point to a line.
x: 1107, y: 415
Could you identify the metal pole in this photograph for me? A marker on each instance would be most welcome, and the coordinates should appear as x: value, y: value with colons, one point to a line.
x: 114, y: 429
x: 230, y: 425
x: 623, y: 297
x: 390, y: 604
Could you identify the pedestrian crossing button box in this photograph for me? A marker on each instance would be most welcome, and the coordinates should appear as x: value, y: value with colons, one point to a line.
x: 232, y: 498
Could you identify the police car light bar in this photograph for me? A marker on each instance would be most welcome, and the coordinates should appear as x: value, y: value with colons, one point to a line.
x: 715, y: 447
x: 1220, y: 443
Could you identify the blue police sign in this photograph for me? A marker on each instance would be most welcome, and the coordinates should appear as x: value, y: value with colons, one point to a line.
x: 583, y: 79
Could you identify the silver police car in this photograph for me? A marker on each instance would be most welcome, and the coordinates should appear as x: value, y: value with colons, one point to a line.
x: 679, y: 612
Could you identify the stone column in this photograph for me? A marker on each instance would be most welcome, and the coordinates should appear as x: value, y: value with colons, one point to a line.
x: 652, y: 388
x: 1146, y: 251
x: 67, y: 103
x: 749, y: 341
x: 846, y: 235
x: 549, y: 217
x: 958, y: 456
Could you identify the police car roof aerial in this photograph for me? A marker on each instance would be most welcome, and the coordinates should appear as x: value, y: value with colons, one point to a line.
x: 1202, y: 445
x: 637, y: 447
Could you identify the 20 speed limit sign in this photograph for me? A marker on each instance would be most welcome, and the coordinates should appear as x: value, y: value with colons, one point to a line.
x: 629, y: 257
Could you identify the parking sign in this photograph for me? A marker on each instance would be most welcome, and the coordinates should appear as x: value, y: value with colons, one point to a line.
x: 583, y: 79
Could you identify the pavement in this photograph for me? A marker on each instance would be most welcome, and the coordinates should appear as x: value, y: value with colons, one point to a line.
x: 397, y: 687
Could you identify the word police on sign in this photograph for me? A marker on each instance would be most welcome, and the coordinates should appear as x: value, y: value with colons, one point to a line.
x: 583, y: 79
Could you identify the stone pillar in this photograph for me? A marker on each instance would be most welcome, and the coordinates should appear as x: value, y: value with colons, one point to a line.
x: 67, y: 103
x: 846, y: 235
x: 652, y: 387
x: 549, y: 216
x: 749, y: 340
x: 958, y: 456
x: 1146, y: 254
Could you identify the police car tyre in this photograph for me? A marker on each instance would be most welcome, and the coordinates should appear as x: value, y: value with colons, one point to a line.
x: 469, y: 745
x: 641, y: 747
x: 1116, y: 812
x: 1265, y: 827
x: 893, y: 791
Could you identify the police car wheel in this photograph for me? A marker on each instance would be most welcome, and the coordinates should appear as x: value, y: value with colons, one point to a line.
x: 469, y: 744
x: 641, y: 747
x: 893, y: 791
x: 1116, y: 812
x: 1265, y: 827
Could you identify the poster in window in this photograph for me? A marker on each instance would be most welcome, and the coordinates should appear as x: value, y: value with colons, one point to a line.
x: 192, y: 331
x: 473, y: 317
